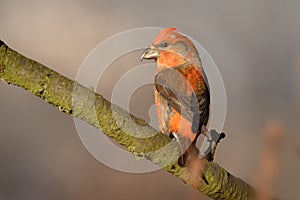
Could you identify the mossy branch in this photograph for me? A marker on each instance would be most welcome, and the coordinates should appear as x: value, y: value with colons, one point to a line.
x: 72, y: 98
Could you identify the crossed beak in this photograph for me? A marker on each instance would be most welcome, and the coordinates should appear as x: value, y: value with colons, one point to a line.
x: 150, y: 53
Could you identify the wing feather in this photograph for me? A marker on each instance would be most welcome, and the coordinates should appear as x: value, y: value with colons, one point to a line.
x: 187, y: 98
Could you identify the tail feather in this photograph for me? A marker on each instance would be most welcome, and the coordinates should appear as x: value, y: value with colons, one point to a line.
x: 191, y: 154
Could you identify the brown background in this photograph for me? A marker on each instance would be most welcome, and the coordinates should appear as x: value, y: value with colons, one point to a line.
x: 255, y: 45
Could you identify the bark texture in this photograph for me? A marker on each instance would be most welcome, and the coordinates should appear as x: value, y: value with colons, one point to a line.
x: 72, y: 98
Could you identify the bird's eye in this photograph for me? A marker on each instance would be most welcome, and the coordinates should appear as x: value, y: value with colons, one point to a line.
x: 165, y: 44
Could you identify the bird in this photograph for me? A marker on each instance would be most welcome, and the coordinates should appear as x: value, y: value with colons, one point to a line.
x: 181, y: 89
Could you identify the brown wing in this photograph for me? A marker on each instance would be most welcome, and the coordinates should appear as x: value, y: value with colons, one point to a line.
x: 187, y: 99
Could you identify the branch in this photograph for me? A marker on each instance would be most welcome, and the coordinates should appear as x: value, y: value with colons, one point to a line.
x: 58, y: 91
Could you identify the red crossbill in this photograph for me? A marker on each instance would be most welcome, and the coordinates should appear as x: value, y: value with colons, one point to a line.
x: 180, y: 88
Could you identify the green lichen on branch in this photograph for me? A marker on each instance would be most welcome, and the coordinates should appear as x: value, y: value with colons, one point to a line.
x: 74, y: 99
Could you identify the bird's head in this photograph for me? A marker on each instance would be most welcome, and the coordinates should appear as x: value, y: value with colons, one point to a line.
x: 171, y: 48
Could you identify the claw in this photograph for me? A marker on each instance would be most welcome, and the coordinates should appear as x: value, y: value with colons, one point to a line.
x: 173, y: 136
x: 211, y: 142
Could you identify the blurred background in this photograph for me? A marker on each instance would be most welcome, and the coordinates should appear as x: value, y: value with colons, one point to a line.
x: 255, y: 44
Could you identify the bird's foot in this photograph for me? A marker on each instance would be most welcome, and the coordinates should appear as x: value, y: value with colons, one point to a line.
x: 208, y: 147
